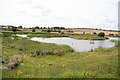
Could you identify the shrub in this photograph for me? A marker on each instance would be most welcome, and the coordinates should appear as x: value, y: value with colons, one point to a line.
x: 111, y: 34
x: 11, y: 62
x: 116, y: 35
x: 5, y: 35
x: 95, y: 33
x: 33, y: 30
x: 14, y: 29
x: 101, y: 34
x: 59, y: 31
x: 62, y: 32
x: 49, y: 30
x: 83, y: 32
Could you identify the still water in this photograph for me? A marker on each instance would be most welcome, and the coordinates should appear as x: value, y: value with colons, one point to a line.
x: 77, y: 45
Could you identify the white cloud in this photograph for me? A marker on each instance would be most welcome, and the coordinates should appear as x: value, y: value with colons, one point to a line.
x: 67, y: 13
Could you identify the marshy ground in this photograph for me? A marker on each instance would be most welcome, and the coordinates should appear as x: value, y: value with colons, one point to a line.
x: 23, y: 58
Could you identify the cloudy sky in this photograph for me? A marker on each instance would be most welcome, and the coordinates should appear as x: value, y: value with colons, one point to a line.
x: 66, y: 13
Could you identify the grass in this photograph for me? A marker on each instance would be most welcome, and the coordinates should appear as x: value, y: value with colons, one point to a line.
x: 87, y: 37
x: 76, y: 36
x: 98, y: 63
x: 48, y: 35
x: 22, y: 45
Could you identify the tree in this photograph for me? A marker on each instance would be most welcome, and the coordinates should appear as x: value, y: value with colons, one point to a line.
x: 49, y: 30
x: 59, y: 31
x: 19, y: 26
x: 111, y: 34
x: 44, y: 28
x: 83, y: 32
x: 95, y: 33
x: 40, y: 27
x: 14, y: 29
x: 101, y: 34
x: 33, y: 30
x: 37, y: 27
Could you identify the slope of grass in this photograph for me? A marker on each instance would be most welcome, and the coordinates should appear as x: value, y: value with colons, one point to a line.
x: 26, y: 46
x: 98, y: 63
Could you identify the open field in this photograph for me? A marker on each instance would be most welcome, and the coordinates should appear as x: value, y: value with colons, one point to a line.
x: 43, y: 60
x: 72, y: 30
x: 91, y: 31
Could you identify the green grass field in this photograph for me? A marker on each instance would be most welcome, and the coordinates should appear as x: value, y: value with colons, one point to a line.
x: 48, y: 35
x: 43, y: 60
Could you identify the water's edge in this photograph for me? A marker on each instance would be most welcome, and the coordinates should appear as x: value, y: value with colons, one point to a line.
x: 77, y: 45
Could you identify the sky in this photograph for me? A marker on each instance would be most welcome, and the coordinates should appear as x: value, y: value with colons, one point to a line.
x: 60, y: 13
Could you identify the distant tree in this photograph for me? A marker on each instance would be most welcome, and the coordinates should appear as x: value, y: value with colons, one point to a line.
x: 95, y: 33
x: 44, y: 28
x: 49, y: 30
x: 59, y: 31
x: 101, y: 34
x: 33, y: 30
x: 14, y: 29
x: 19, y: 26
x: 55, y: 28
x: 37, y: 27
x: 48, y: 27
x: 116, y: 35
x: 111, y: 34
x: 62, y: 28
x: 40, y: 27
x: 83, y: 32
x: 62, y: 32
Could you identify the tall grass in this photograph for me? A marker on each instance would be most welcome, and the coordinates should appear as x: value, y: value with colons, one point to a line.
x: 46, y: 34
x: 99, y: 63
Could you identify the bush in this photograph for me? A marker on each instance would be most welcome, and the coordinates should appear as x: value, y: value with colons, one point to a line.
x: 101, y: 34
x: 49, y: 30
x: 83, y: 32
x: 33, y: 30
x: 14, y: 29
x: 59, y: 31
x: 111, y: 34
x: 5, y: 35
x: 11, y: 62
x: 95, y: 33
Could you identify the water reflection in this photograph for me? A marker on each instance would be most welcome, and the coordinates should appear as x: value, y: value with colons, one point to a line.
x: 77, y: 45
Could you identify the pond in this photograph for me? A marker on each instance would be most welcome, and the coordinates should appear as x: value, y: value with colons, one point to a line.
x: 77, y: 45
x: 21, y: 35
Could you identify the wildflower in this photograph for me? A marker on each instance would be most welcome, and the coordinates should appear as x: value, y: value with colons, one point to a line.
x: 28, y: 75
x: 19, y: 72
x: 42, y: 66
x: 63, y: 65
